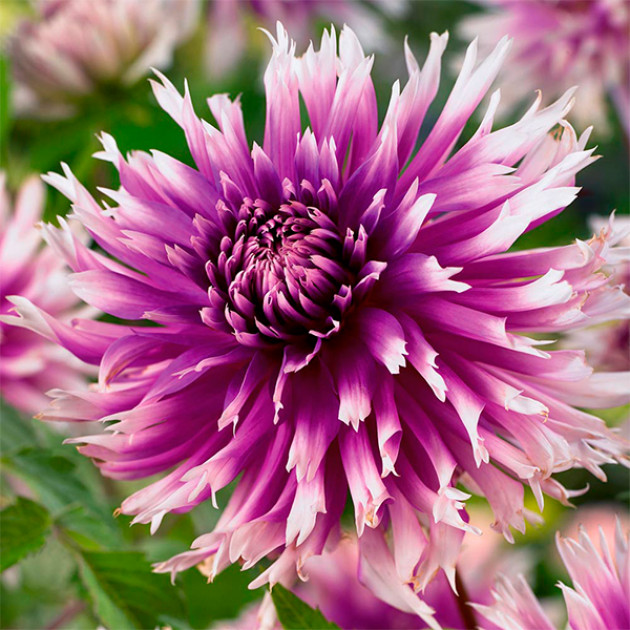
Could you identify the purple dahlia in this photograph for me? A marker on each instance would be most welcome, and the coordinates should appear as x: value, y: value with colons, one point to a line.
x: 30, y: 365
x: 74, y: 47
x: 561, y: 43
x: 336, y: 313
x: 597, y: 601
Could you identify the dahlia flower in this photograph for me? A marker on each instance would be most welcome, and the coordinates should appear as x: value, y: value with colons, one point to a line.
x: 31, y: 365
x: 597, y: 601
x: 230, y: 23
x: 607, y: 346
x: 562, y: 43
x: 335, y: 313
x: 73, y: 48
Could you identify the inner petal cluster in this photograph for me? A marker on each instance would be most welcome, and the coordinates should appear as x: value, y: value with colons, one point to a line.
x: 282, y: 273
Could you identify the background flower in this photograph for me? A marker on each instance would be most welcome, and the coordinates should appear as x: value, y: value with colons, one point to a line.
x: 74, y: 48
x: 31, y: 365
x: 608, y: 346
x: 335, y: 572
x: 560, y: 44
x: 232, y: 23
x: 598, y: 599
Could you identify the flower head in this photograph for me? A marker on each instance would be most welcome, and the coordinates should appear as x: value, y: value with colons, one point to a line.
x: 598, y: 599
x: 31, y: 365
x: 338, y: 314
x: 74, y: 47
x: 562, y: 43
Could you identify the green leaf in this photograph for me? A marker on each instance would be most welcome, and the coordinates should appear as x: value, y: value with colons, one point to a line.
x: 24, y: 527
x: 53, y: 477
x: 17, y: 431
x: 56, y: 481
x: 225, y: 598
x: 294, y: 614
x: 124, y: 591
x: 87, y: 530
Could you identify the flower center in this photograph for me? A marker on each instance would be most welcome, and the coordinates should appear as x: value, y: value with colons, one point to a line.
x: 281, y: 274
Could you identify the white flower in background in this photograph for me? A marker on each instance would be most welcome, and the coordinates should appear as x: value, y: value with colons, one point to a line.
x: 73, y: 48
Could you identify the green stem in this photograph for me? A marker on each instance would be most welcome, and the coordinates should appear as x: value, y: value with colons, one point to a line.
x: 67, y: 614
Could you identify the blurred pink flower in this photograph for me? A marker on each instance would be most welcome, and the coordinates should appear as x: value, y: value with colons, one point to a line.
x: 31, y: 365
x: 607, y: 345
x: 335, y: 586
x: 600, y: 517
x: 559, y: 44
x: 339, y: 314
x: 230, y: 23
x: 75, y: 47
x: 598, y: 599
x: 257, y: 616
